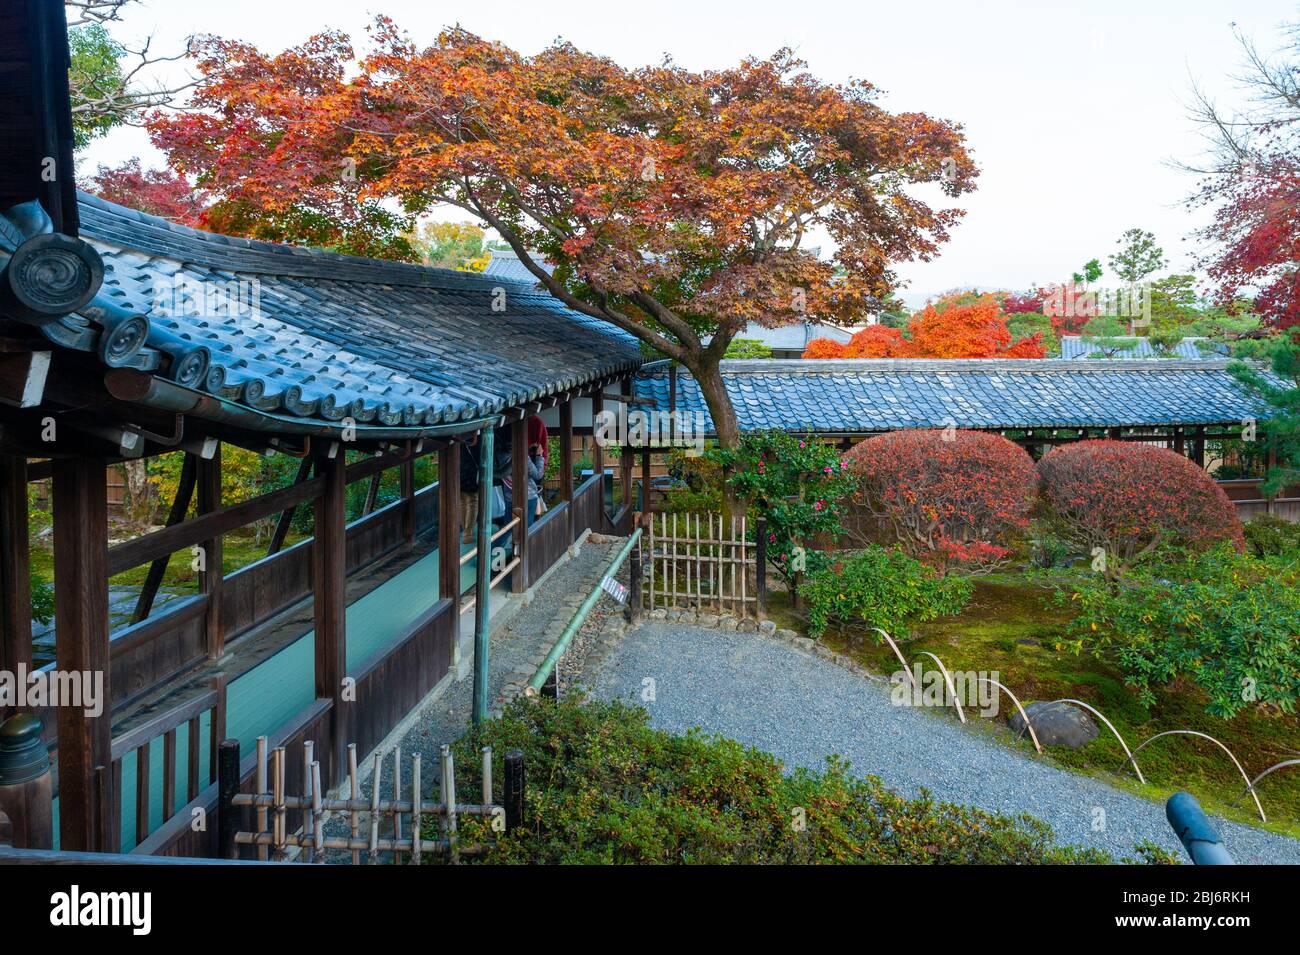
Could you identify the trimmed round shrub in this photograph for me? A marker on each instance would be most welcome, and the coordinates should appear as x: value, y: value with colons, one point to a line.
x: 1131, y: 499
x: 948, y: 497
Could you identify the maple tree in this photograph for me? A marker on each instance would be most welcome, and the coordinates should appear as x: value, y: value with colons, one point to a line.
x: 969, y: 327
x: 159, y: 192
x: 1251, y: 178
x: 675, y: 204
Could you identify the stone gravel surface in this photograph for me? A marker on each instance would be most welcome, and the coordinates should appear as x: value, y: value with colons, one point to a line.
x: 778, y: 697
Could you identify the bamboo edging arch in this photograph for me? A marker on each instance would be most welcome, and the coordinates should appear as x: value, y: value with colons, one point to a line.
x: 1249, y: 785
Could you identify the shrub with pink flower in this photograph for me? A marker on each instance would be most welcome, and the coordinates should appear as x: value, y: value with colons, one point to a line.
x: 797, y: 485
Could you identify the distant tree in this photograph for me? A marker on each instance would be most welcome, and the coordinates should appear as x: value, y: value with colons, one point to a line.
x: 1091, y: 272
x: 1250, y: 177
x: 1138, y: 256
x: 748, y: 348
x: 451, y: 245
x: 975, y: 329
x: 964, y: 325
x: 159, y: 192
x: 108, y: 82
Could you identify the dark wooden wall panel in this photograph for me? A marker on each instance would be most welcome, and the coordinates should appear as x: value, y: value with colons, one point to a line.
x: 547, y: 541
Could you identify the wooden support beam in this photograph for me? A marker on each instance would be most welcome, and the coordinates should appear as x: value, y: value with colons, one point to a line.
x: 329, y: 590
x: 81, y: 648
x: 627, y: 459
x: 285, y: 522
x: 519, y: 503
x: 196, y: 530
x: 208, y: 479
x: 645, y: 487
x: 22, y: 377
x: 483, y: 572
x: 180, y: 507
x: 598, y: 453
x: 1198, y: 447
x: 566, y: 463
x: 449, y: 533
x: 15, y: 570
x: 408, y: 495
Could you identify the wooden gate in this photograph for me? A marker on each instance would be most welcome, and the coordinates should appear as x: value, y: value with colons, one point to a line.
x: 702, y: 562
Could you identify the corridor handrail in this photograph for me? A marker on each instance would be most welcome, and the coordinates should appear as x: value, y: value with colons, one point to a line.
x: 544, y: 671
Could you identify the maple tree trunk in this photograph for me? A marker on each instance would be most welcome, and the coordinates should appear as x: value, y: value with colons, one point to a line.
x: 714, y: 393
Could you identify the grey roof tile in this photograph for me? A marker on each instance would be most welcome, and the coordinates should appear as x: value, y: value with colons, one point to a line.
x: 333, y: 335
x: 856, y: 396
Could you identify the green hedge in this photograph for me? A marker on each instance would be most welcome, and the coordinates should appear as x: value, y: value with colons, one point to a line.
x: 605, y: 787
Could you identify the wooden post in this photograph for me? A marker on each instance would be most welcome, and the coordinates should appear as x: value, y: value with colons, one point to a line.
x: 760, y: 566
x: 208, y: 478
x: 228, y: 814
x: 1198, y: 447
x: 627, y: 456
x: 26, y: 785
x: 15, y: 570
x: 483, y: 572
x: 408, y: 498
x: 645, y: 487
x: 514, y: 789
x: 449, y: 532
x: 598, y: 454
x: 633, y: 611
x: 566, y: 464
x: 329, y: 588
x: 519, y: 502
x: 81, y: 645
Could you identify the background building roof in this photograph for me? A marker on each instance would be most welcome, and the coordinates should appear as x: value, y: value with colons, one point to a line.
x: 506, y: 264
x: 857, y: 396
x: 1189, y: 349
x: 320, y: 335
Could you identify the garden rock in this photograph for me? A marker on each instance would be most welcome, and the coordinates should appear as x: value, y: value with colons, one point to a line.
x: 1056, y: 724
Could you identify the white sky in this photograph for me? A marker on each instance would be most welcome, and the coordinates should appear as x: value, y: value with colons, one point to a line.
x: 1073, y: 110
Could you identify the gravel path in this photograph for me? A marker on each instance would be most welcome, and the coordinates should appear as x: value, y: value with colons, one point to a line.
x: 802, y: 708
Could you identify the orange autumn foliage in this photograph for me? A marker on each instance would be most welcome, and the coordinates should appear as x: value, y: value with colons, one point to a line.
x: 975, y: 329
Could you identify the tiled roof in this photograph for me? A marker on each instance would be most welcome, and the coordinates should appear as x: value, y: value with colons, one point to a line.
x: 331, y: 336
x: 858, y: 396
x: 793, y: 337
x: 506, y: 264
x: 1074, y: 347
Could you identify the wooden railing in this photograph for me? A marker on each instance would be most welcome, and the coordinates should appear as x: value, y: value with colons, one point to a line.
x: 166, y: 726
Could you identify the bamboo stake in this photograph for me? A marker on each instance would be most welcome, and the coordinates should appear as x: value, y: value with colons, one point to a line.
x: 415, y: 810
x: 397, y: 792
x: 374, y: 809
x: 449, y: 800
x: 354, y: 818
x: 487, y: 780
x: 261, y: 785
x: 318, y: 817
x: 281, y: 829
x: 308, y: 823
x: 744, y: 562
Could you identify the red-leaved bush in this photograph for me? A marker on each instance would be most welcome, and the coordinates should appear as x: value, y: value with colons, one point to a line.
x: 950, y: 497
x: 1130, y: 498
